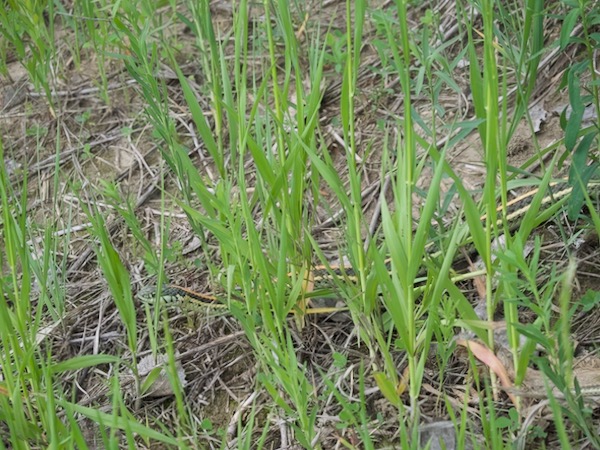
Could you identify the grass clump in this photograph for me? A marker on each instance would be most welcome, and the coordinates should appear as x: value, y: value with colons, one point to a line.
x: 352, y: 160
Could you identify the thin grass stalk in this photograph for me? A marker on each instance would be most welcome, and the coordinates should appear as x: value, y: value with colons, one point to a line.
x: 278, y: 97
x: 56, y: 269
x: 282, y: 207
x: 19, y: 372
x: 282, y: 192
x: 296, y: 117
x: 361, y: 299
x: 97, y: 26
x: 24, y: 26
x: 530, y: 55
x: 589, y: 20
x: 404, y: 184
x: 184, y: 421
x: 353, y: 46
x: 26, y: 376
x: 115, y: 421
x: 274, y: 199
x: 213, y: 67
x: 303, y: 117
x: 490, y: 142
x: 352, y: 420
x: 117, y: 278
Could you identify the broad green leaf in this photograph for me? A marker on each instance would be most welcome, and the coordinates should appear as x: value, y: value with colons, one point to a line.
x: 201, y: 123
x: 80, y: 362
x: 387, y: 388
x: 568, y: 24
x: 115, y: 421
x: 529, y: 219
x: 579, y: 178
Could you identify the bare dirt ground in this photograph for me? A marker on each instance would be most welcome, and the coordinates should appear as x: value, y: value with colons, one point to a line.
x: 65, y: 154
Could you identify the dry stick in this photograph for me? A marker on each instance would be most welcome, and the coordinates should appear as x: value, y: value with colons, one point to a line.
x: 234, y: 337
x: 178, y: 357
x: 84, y: 91
x: 236, y: 417
x: 51, y: 160
x: 24, y: 91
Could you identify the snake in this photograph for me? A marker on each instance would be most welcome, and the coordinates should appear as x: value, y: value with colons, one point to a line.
x: 324, y: 276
